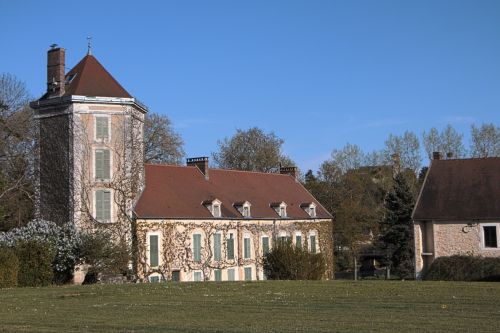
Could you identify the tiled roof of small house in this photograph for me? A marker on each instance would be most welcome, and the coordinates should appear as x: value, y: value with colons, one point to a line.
x: 180, y: 191
x: 460, y: 189
x: 90, y: 78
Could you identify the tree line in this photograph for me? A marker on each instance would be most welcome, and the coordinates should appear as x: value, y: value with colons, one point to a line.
x: 363, y: 190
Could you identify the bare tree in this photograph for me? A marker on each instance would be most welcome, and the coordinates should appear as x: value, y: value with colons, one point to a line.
x: 485, y: 141
x: 350, y: 157
x: 16, y: 152
x: 407, y: 147
x: 448, y: 141
x: 251, y: 150
x: 161, y: 143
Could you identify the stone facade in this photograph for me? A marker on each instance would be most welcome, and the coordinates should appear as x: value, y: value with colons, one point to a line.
x: 434, y: 239
x: 176, y: 259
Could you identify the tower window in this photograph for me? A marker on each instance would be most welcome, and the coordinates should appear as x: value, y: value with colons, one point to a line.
x: 103, y: 205
x: 102, y: 128
x: 102, y: 164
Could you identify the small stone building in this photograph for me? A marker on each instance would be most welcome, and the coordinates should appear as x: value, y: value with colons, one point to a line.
x: 458, y: 210
x: 201, y: 224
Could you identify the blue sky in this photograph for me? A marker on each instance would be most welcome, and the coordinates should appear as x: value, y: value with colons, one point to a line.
x: 317, y: 73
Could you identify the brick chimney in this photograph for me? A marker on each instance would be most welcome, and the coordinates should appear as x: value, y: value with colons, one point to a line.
x: 199, y: 162
x: 55, y: 71
x: 292, y: 171
x: 436, y: 155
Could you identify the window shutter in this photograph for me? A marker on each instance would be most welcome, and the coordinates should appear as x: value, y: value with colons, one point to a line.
x: 247, y: 248
x: 230, y: 247
x: 230, y: 274
x: 248, y: 273
x: 106, y: 164
x: 217, y: 247
x: 99, y: 205
x: 197, y: 247
x: 218, y: 275
x: 298, y: 241
x: 106, y: 205
x: 313, y: 243
x: 102, y: 128
x: 265, y: 245
x: 99, y: 167
x: 153, y: 250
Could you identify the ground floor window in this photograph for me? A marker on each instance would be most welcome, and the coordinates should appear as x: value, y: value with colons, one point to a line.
x: 154, y: 279
x: 176, y: 276
x: 490, y: 236
x: 218, y: 275
x: 197, y: 276
x: 231, y: 275
x: 248, y: 273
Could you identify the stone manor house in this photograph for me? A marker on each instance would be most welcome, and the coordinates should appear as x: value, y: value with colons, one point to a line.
x: 185, y: 223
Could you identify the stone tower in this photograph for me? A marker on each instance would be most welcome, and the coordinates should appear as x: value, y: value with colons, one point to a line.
x: 90, y: 147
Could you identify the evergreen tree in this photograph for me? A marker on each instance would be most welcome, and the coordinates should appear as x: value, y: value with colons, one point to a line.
x: 396, y: 229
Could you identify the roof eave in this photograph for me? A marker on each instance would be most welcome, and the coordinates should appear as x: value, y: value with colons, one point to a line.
x: 41, y: 103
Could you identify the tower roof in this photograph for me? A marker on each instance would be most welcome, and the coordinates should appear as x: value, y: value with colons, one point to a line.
x: 90, y: 78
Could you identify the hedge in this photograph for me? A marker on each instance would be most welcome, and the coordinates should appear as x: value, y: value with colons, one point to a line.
x: 9, y: 268
x: 35, y: 263
x: 464, y: 268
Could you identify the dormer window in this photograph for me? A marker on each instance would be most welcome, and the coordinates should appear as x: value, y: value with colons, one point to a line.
x: 243, y: 208
x: 214, y: 206
x: 309, y: 208
x: 280, y: 208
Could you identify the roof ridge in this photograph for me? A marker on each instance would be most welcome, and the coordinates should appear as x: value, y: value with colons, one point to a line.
x: 245, y: 171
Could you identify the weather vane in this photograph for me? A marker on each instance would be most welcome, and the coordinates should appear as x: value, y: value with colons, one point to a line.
x: 89, y: 45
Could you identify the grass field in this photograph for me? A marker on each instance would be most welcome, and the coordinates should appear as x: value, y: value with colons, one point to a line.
x: 270, y: 306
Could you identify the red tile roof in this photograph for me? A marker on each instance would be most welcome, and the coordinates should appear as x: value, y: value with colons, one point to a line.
x: 461, y: 189
x: 90, y: 78
x: 179, y: 191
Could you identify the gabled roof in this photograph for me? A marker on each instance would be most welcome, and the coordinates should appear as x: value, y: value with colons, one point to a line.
x: 461, y: 189
x: 90, y: 78
x: 179, y: 191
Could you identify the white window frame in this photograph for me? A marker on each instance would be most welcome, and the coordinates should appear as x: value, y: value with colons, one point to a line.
x: 483, y: 247
x: 153, y: 233
x: 212, y: 205
x: 111, y: 201
x: 246, y: 206
x: 94, y: 163
x: 96, y: 139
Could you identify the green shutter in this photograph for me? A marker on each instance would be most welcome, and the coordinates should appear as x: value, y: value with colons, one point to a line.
x: 265, y: 245
x: 230, y: 247
x: 298, y: 241
x: 247, y: 248
x: 153, y: 250
x: 230, y: 274
x: 217, y: 247
x: 106, y: 205
x: 102, y: 131
x: 218, y: 275
x: 197, y: 247
x: 99, y: 205
x: 313, y: 243
x: 99, y: 167
x: 248, y: 273
x: 197, y: 276
x: 102, y: 164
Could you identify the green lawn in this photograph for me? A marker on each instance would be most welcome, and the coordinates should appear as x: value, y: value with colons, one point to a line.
x: 328, y: 306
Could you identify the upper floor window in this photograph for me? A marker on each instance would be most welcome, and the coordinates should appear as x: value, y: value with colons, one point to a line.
x: 102, y: 128
x: 102, y: 164
x: 103, y: 205
x: 197, y: 247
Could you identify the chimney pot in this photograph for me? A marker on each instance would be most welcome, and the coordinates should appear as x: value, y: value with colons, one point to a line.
x: 55, y: 72
x: 201, y: 163
x: 436, y: 155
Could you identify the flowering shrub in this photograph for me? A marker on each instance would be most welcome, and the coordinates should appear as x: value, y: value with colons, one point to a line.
x: 64, y: 243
